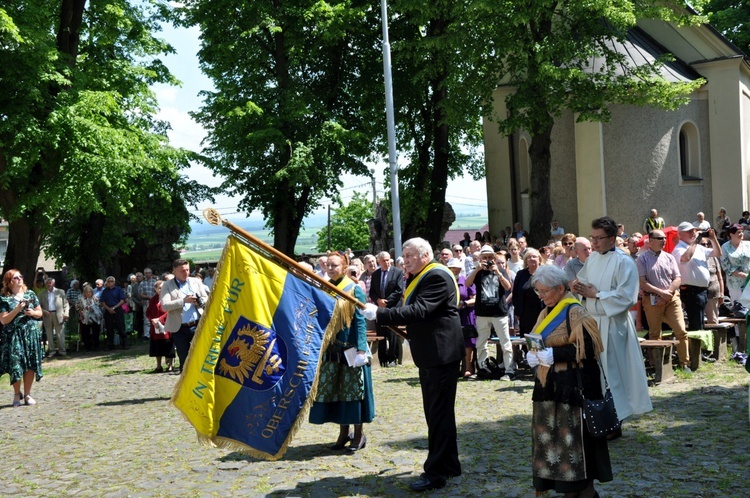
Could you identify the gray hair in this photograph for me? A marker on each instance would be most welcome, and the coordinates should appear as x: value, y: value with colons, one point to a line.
x: 383, y: 255
x: 582, y: 241
x: 422, y: 246
x: 550, y: 276
x: 531, y: 252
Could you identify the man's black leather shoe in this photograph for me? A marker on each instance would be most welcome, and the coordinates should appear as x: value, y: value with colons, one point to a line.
x: 425, y: 483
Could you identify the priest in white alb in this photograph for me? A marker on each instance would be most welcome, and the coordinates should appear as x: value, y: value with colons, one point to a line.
x: 609, y: 283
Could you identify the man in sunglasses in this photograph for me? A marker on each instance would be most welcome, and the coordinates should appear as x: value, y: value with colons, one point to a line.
x: 660, y: 281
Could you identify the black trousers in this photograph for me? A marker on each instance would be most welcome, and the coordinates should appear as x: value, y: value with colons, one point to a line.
x: 182, y: 339
x: 112, y: 321
x: 90, y: 336
x: 388, y: 348
x: 694, y: 300
x: 138, y: 320
x: 439, y: 400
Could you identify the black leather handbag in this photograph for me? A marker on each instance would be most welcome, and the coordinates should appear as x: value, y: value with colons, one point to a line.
x: 600, y: 414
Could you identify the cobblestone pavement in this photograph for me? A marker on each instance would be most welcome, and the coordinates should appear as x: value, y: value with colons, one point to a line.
x: 103, y: 426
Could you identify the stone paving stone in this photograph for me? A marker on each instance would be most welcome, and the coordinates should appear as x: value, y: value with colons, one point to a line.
x: 112, y: 432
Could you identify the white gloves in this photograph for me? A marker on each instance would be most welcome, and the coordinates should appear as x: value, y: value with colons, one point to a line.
x: 360, y: 360
x: 370, y: 311
x: 532, y: 359
x: 545, y: 357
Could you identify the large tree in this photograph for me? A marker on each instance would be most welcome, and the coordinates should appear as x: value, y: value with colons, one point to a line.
x: 545, y: 49
x: 286, y: 118
x: 77, y: 114
x: 435, y: 52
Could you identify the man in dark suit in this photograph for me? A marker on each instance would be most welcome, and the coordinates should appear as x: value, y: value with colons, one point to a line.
x: 386, y: 288
x: 430, y: 313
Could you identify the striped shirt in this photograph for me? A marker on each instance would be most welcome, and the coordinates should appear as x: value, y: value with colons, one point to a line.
x: 660, y: 269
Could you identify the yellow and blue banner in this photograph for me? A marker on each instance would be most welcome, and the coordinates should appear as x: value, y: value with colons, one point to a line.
x: 250, y: 376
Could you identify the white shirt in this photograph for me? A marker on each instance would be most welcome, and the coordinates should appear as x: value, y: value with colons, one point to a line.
x: 695, y: 271
x: 51, y: 300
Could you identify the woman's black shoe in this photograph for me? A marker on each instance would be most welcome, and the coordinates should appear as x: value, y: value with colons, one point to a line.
x: 362, y: 444
x: 340, y: 445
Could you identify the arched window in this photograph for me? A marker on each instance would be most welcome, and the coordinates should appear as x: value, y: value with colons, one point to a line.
x: 690, y: 156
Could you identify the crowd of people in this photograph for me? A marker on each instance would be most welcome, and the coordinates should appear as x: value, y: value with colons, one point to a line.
x: 105, y: 309
x: 586, y: 296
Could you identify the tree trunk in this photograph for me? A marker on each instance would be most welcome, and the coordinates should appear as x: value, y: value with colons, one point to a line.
x: 68, y: 37
x: 24, y: 246
x: 541, y: 204
x: 288, y: 218
x: 439, y: 178
x: 89, y: 257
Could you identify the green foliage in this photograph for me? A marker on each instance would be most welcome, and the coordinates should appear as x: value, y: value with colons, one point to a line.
x: 545, y: 49
x: 730, y: 18
x: 550, y: 47
x: 78, y: 138
x: 285, y: 119
x: 349, y: 227
x: 436, y: 50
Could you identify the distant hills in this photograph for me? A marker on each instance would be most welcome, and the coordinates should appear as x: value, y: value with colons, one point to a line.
x: 316, y: 221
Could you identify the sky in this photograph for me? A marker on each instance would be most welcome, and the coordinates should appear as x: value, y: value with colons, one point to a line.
x: 465, y: 194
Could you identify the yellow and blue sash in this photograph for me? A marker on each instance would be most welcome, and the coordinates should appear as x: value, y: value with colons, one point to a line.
x: 555, y: 317
x: 345, y: 284
x: 432, y: 266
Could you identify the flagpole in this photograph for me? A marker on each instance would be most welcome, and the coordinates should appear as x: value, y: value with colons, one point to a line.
x: 213, y: 217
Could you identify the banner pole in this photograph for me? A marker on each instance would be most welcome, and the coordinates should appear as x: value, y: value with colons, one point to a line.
x: 213, y: 217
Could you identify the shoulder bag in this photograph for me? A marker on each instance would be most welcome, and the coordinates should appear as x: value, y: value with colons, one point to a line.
x: 600, y: 414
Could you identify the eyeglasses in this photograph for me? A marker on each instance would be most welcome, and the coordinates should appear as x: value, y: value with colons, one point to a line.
x: 542, y: 293
x: 571, y: 243
x: 18, y: 277
x: 657, y: 238
x: 597, y: 239
x: 456, y: 250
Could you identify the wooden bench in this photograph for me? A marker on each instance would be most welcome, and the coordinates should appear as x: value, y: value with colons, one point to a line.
x: 720, y: 339
x: 740, y: 327
x: 372, y: 336
x: 660, y: 357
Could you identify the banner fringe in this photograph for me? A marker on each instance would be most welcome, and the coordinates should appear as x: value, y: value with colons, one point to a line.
x: 342, y: 316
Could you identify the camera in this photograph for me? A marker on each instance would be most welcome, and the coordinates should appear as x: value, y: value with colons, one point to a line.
x: 488, y: 264
x: 199, y: 301
x: 702, y: 234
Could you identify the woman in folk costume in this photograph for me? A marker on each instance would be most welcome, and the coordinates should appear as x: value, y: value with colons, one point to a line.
x: 344, y: 393
x: 565, y: 457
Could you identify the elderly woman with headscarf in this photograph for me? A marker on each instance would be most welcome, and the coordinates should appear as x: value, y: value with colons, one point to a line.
x: 568, y: 363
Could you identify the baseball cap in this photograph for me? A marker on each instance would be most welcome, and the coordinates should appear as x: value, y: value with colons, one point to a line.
x: 685, y: 226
